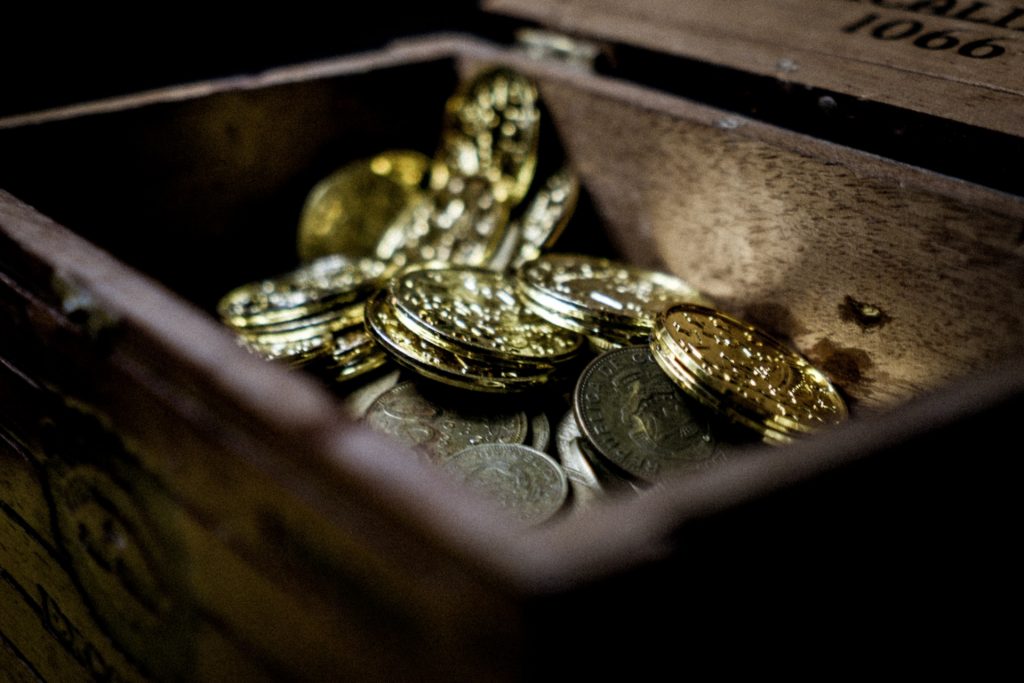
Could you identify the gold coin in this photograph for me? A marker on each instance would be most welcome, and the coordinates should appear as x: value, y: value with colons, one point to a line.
x: 441, y: 364
x: 604, y: 291
x: 343, y: 316
x: 599, y: 330
x: 750, y: 369
x: 480, y: 313
x: 353, y: 353
x: 312, y: 289
x: 358, y: 363
x: 738, y: 413
x: 491, y: 129
x: 600, y: 345
x: 288, y: 348
x: 348, y: 211
x: 461, y: 224
x: 540, y: 225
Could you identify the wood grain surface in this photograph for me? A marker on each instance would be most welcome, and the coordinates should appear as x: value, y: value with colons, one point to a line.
x: 954, y: 59
x: 803, y: 237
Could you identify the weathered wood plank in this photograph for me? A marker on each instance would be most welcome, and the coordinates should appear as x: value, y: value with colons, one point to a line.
x: 924, y: 56
x: 799, y: 235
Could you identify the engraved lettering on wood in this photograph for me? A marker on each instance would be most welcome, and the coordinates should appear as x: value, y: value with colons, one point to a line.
x: 959, y: 59
x: 84, y: 652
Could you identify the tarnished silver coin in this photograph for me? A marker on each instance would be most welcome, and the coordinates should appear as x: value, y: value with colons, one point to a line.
x: 359, y: 400
x: 525, y: 482
x: 540, y: 432
x: 650, y: 426
x: 441, y: 429
x: 586, y: 488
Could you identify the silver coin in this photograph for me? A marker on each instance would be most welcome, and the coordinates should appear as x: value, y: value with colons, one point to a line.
x: 540, y: 432
x: 586, y: 488
x: 651, y: 426
x: 360, y: 400
x: 441, y: 429
x: 611, y: 477
x: 522, y: 480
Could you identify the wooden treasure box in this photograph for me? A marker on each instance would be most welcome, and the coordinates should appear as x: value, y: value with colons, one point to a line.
x: 842, y: 173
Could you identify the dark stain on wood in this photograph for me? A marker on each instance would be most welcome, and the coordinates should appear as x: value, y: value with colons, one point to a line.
x: 845, y: 366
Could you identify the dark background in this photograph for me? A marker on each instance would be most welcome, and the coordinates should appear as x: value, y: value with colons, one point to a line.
x: 48, y: 61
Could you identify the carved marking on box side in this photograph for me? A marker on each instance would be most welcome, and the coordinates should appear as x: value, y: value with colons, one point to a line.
x: 125, y: 566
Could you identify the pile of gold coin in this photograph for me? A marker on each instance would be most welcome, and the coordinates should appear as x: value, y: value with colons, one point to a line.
x: 311, y: 315
x: 438, y: 266
x: 476, y: 204
x: 468, y: 328
x: 744, y: 373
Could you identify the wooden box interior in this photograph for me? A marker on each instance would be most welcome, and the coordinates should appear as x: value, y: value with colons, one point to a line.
x: 199, y: 189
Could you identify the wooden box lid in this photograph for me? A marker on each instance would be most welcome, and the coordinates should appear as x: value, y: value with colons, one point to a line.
x: 956, y: 59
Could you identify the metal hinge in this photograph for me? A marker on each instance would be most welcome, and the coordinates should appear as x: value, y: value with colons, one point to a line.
x: 550, y: 45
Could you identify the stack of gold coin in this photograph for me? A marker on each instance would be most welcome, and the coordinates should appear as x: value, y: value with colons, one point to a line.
x: 468, y: 328
x: 613, y: 303
x: 744, y: 373
x: 314, y: 313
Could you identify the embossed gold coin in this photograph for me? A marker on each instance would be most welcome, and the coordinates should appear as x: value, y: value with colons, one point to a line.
x: 326, y: 319
x: 545, y: 217
x: 637, y: 418
x: 527, y: 483
x: 491, y: 129
x: 311, y: 289
x: 478, y: 313
x: 749, y: 374
x: 600, y: 297
x: 440, y: 364
x: 348, y: 211
x: 461, y: 223
x: 441, y: 428
x: 353, y: 353
x: 289, y: 348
